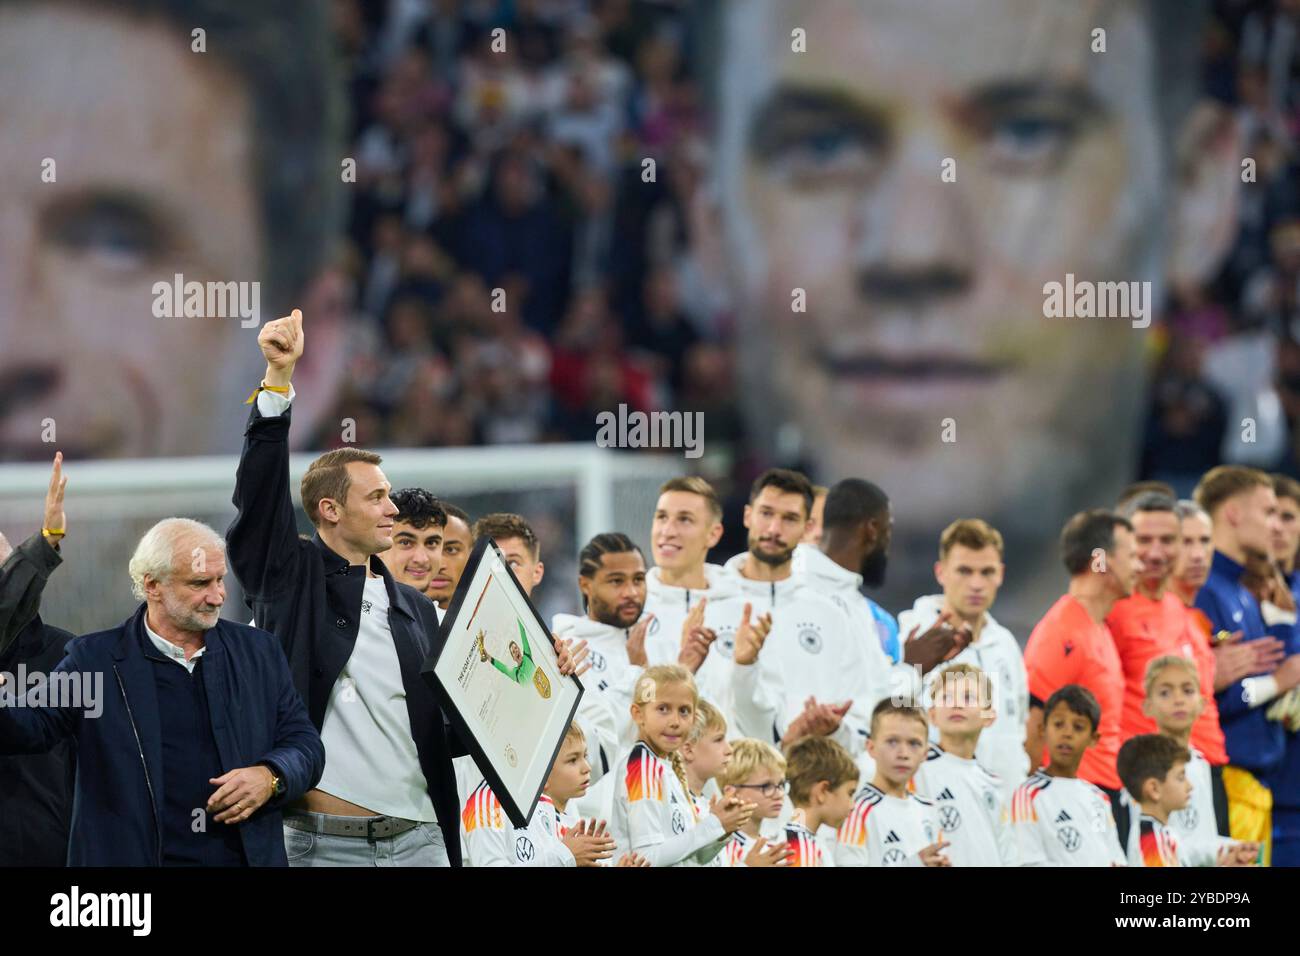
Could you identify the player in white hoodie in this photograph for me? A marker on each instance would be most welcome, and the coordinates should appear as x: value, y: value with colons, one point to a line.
x: 812, y: 652
x: 611, y: 578
x: 687, y: 523
x: 853, y: 551
x: 970, y: 572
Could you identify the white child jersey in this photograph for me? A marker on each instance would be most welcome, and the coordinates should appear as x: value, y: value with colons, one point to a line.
x: 806, y: 849
x: 1195, y: 825
x: 1001, y: 746
x: 1064, y: 821
x: 612, y: 678
x: 670, y: 605
x: 886, y: 831
x: 653, y: 816
x: 811, y: 566
x: 1155, y: 845
x: 811, y: 651
x: 736, y: 848
x: 490, y: 839
x: 971, y: 811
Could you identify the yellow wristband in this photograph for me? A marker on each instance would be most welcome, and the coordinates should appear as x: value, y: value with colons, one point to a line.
x: 53, y: 532
x: 278, y: 389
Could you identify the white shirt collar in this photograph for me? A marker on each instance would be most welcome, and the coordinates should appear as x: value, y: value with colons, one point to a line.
x: 170, y: 650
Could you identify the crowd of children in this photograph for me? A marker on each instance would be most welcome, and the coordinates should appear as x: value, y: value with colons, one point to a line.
x: 721, y: 727
x: 686, y: 795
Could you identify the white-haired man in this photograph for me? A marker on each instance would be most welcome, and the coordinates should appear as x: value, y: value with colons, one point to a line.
x: 206, y: 707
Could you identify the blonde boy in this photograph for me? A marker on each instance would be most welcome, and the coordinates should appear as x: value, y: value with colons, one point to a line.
x: 705, y: 753
x: 756, y: 772
x: 549, y: 839
x: 1174, y: 701
x: 967, y: 797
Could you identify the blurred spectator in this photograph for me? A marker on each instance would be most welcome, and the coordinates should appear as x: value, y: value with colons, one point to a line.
x: 590, y: 372
x: 514, y: 230
x: 1186, y: 423
x: 661, y: 329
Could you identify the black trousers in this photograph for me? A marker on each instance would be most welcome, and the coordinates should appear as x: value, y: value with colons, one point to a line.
x: 1220, y: 799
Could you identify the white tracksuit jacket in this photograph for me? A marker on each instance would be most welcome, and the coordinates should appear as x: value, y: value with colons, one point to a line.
x: 670, y: 605
x: 813, y: 650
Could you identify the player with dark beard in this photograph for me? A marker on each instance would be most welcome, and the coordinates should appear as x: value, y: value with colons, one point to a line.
x: 810, y: 674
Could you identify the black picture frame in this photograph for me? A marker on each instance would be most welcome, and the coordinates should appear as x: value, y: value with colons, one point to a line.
x: 470, y: 592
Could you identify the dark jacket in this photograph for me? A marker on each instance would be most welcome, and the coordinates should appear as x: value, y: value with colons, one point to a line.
x: 1254, y: 742
x: 257, y: 716
x: 35, y: 789
x: 310, y: 598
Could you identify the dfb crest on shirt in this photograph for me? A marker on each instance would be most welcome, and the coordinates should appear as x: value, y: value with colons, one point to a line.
x: 366, y: 606
x: 991, y: 801
x: 1189, y: 817
x: 1069, y: 837
x: 893, y: 857
x: 928, y: 828
x: 597, y: 660
x: 679, y: 820
x: 726, y: 642
x: 810, y: 638
x: 949, y: 818
x: 524, y: 850
x: 1100, y: 817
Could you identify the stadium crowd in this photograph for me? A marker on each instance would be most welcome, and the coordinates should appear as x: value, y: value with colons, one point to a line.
x: 521, y: 169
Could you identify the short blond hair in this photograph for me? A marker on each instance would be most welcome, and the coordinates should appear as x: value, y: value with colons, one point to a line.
x: 1164, y: 663
x: 748, y: 757
x: 707, y: 719
x: 973, y: 533
x: 966, y: 675
x: 695, y: 485
x: 1227, y: 481
x: 574, y: 732
x: 906, y: 708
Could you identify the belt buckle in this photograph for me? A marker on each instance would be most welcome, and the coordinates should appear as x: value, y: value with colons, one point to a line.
x: 370, y: 828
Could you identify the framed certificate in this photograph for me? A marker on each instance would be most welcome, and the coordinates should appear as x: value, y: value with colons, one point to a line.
x: 498, y: 679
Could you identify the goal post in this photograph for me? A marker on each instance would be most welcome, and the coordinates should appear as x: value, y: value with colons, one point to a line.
x: 569, y: 492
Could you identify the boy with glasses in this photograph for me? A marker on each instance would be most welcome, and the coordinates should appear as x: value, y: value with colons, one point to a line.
x: 756, y: 774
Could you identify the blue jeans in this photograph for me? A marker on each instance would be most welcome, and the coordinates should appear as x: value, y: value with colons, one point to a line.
x: 421, y: 846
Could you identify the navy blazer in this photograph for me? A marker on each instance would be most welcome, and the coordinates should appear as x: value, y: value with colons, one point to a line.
x: 310, y: 598
x: 257, y: 716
